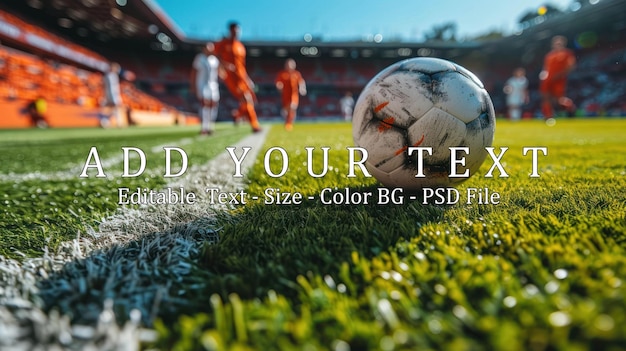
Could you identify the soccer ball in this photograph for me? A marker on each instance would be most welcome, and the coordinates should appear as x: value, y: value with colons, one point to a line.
x: 426, y: 102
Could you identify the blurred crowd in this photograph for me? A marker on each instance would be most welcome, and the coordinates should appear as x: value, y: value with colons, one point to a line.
x: 597, y: 85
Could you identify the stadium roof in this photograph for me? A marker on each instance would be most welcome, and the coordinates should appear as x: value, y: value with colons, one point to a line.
x: 356, y: 49
x: 109, y: 26
x: 588, y: 26
x: 112, y: 24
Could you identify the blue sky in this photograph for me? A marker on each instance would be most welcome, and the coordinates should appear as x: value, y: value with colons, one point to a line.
x: 346, y: 19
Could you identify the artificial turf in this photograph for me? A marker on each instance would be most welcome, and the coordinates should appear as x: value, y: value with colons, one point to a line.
x: 542, y: 270
x: 45, y: 202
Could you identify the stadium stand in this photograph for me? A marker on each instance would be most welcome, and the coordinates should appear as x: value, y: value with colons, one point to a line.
x: 64, y: 66
x: 38, y: 67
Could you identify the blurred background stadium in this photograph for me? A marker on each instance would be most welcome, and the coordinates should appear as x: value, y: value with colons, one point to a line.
x: 58, y: 49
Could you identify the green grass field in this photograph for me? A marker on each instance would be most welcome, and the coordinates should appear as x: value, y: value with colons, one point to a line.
x: 545, y: 269
x: 45, y: 201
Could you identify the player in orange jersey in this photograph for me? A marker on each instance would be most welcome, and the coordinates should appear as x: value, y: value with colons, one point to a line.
x: 557, y: 64
x: 291, y: 85
x: 232, y: 55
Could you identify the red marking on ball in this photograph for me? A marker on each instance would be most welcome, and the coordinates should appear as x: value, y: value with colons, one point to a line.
x: 403, y: 149
x: 399, y: 151
x: 385, y: 124
x: 419, y: 142
x: 381, y: 106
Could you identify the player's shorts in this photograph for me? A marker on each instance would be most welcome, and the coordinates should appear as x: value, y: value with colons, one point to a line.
x: 553, y: 87
x: 514, y: 100
x: 238, y: 87
x: 208, y: 92
x: 112, y: 99
x: 290, y: 100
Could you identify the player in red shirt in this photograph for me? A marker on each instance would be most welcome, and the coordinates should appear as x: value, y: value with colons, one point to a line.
x: 557, y: 64
x: 232, y: 55
x: 291, y: 85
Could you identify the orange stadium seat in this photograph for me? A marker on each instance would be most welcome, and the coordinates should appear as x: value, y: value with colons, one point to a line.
x: 25, y: 77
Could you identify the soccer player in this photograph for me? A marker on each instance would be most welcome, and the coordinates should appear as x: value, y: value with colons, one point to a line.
x: 204, y: 85
x: 291, y: 85
x: 232, y: 55
x: 516, y: 90
x: 347, y: 104
x: 557, y: 64
x: 37, y: 111
x: 113, y: 94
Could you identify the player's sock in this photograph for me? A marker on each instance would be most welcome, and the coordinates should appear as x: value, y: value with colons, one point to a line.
x: 236, y: 114
x: 118, y: 117
x: 568, y: 105
x: 291, y: 116
x: 243, y: 113
x: 205, y: 117
x: 212, y: 117
x: 516, y: 114
x: 546, y: 110
x: 254, y: 122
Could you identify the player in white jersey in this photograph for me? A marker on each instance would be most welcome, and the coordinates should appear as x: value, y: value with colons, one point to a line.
x: 204, y: 85
x: 516, y: 90
x: 113, y: 95
x: 347, y: 105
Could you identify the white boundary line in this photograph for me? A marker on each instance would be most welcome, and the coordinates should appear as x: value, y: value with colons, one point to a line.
x: 135, y: 261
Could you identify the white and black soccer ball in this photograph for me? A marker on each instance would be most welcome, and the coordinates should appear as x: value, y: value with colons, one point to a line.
x: 426, y: 102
